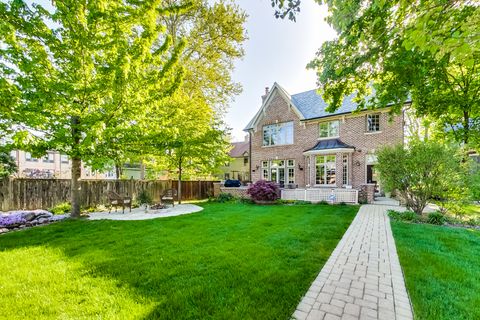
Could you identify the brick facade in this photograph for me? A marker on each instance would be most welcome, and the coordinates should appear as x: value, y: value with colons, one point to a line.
x: 352, y: 132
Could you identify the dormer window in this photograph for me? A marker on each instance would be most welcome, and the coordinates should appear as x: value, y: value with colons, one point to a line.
x: 329, y: 129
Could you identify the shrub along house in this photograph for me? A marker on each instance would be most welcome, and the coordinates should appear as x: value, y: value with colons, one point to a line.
x: 297, y: 143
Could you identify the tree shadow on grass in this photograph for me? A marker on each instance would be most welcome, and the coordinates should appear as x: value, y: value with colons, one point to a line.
x: 233, y: 263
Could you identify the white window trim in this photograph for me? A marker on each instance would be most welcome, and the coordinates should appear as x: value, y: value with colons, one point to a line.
x: 278, y: 124
x: 379, y: 114
x: 328, y: 137
x: 326, y: 185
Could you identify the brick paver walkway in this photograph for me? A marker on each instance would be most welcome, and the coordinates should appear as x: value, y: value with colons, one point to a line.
x: 362, y: 279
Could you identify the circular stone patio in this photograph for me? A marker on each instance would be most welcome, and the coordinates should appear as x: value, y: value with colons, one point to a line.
x: 140, y: 214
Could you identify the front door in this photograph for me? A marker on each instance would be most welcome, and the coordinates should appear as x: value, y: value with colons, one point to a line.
x: 372, y: 176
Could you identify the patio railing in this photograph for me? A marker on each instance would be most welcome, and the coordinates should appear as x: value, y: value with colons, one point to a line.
x: 320, y: 194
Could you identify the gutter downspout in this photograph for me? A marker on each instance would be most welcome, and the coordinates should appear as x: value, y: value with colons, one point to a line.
x: 250, y: 155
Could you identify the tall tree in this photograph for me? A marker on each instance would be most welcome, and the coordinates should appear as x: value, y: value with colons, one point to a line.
x: 192, y: 143
x: 85, y: 74
x: 428, y: 49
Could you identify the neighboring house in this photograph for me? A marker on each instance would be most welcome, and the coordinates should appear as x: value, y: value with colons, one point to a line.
x: 238, y: 168
x: 295, y: 141
x: 52, y: 165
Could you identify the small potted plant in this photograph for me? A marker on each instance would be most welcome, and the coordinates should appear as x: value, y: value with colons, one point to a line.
x: 264, y: 192
x: 144, y: 199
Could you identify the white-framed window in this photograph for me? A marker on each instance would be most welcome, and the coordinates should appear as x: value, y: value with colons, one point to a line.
x: 373, y: 122
x: 325, y: 170
x: 278, y: 134
x: 245, y: 160
x: 345, y: 169
x: 49, y: 157
x: 13, y: 154
x: 279, y: 171
x: 329, y: 129
x: 28, y: 157
x: 63, y: 158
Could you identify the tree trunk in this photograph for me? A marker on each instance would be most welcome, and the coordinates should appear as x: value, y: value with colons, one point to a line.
x: 179, y: 191
x: 76, y: 168
x: 75, y: 197
x: 142, y: 170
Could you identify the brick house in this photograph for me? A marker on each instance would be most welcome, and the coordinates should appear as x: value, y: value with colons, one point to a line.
x: 294, y: 141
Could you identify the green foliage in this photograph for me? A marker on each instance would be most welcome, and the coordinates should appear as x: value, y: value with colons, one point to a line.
x: 428, y: 50
x: 61, y: 208
x: 144, y: 198
x: 436, y: 218
x: 81, y: 77
x: 194, y: 135
x: 421, y: 171
x: 7, y: 165
x: 221, y: 257
x: 474, y: 184
x: 408, y: 216
x: 225, y: 197
x: 323, y: 202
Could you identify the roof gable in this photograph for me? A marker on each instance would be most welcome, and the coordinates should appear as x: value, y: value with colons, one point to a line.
x: 276, y: 89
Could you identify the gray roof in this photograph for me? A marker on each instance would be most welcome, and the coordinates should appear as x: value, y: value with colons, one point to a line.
x: 312, y: 106
x: 330, y: 144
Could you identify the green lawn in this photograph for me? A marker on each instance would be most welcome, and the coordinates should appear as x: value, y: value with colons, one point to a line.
x: 230, y: 261
x: 442, y: 270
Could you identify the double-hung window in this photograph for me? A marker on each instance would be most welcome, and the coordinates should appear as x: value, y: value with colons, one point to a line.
x: 28, y: 157
x: 49, y: 157
x: 325, y: 170
x: 373, y: 122
x: 278, y: 134
x: 329, y: 129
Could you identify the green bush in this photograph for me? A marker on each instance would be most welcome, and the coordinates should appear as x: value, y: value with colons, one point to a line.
x: 408, y: 216
x: 144, y: 198
x: 225, y: 197
x: 436, y: 218
x: 323, y: 202
x: 423, y: 171
x: 473, y: 222
x: 61, y: 208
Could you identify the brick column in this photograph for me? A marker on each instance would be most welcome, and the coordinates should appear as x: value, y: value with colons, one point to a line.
x: 216, y: 188
x: 367, y: 193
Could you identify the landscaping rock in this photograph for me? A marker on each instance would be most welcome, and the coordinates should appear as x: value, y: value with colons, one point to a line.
x: 19, y: 219
x: 3, y: 230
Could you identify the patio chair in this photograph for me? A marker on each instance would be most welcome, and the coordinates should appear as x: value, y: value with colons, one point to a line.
x: 169, y: 196
x: 117, y: 200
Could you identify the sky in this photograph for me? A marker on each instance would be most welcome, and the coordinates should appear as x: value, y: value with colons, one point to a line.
x: 276, y: 51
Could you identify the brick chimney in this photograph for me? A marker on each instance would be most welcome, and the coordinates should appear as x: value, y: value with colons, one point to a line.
x: 267, y: 89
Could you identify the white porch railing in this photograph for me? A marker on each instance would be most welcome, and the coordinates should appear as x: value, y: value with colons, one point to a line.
x: 320, y: 194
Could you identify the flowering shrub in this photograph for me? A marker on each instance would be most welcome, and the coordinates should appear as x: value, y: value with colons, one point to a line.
x: 264, y: 191
x: 11, y: 220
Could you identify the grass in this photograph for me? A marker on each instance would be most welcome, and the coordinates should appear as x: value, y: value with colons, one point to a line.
x: 230, y: 261
x: 442, y: 270
x: 473, y: 210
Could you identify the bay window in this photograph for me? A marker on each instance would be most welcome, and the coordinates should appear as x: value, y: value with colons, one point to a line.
x: 325, y: 170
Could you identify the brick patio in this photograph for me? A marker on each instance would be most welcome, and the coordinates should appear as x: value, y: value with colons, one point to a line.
x: 362, y: 279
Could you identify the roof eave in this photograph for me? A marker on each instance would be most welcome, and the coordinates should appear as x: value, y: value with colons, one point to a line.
x: 328, y: 151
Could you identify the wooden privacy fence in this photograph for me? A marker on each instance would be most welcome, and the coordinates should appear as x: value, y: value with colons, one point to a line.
x: 46, y: 193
